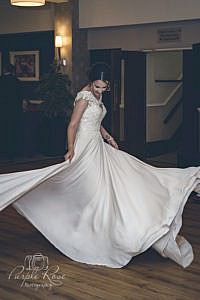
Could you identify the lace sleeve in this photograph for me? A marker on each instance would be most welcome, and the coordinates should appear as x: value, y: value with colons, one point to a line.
x: 83, y: 95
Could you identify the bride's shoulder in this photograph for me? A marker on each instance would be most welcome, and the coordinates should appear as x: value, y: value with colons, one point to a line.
x: 84, y: 94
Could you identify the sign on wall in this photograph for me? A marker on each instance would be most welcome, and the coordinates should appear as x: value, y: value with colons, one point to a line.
x: 169, y: 35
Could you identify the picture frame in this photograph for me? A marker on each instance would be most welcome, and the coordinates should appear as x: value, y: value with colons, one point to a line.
x: 26, y: 64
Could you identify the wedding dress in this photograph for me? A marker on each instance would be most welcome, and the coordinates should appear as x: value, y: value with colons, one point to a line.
x: 106, y: 206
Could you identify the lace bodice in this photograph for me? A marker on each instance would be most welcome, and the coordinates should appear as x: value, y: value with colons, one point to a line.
x: 93, y: 115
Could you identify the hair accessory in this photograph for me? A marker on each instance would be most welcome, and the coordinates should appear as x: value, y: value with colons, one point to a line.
x: 101, y: 77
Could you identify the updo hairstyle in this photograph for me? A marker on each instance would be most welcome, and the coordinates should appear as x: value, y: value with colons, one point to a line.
x: 99, y: 71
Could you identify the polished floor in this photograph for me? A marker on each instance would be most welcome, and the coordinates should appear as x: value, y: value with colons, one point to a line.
x: 147, y: 276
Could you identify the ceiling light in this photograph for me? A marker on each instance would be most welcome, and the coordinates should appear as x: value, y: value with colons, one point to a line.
x: 28, y: 2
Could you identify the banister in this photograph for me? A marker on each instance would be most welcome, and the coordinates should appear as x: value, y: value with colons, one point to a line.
x: 172, y: 111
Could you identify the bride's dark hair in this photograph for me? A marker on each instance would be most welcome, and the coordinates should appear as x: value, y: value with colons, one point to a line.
x: 99, y: 71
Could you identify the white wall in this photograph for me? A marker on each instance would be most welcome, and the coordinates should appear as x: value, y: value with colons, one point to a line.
x: 162, y: 97
x: 142, y: 36
x: 19, y: 19
x: 156, y: 130
x: 162, y: 65
x: 101, y: 13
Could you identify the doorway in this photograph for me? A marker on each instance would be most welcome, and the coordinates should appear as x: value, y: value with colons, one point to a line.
x: 164, y: 102
x: 152, y: 106
x: 126, y: 102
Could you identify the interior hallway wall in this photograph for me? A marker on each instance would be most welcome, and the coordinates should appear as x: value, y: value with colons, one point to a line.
x: 141, y: 37
x: 15, y: 19
x: 95, y: 13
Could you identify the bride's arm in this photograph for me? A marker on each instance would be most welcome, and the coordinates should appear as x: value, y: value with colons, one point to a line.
x: 78, y: 111
x: 106, y: 136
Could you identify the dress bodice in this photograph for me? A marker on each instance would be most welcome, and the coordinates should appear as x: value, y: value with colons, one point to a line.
x: 93, y: 115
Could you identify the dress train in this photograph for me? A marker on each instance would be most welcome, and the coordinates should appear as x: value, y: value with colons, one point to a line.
x: 106, y: 206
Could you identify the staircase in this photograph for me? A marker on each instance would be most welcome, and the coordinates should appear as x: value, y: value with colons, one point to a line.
x: 168, y: 115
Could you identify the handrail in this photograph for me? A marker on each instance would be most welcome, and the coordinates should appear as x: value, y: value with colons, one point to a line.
x: 169, y: 97
x: 172, y: 111
x: 168, y: 80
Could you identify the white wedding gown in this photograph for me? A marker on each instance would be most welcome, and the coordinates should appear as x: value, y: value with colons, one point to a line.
x: 106, y: 206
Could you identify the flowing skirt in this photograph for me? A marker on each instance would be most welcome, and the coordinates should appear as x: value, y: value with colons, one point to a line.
x: 106, y: 206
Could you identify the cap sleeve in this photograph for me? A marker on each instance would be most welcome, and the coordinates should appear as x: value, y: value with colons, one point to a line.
x: 83, y: 95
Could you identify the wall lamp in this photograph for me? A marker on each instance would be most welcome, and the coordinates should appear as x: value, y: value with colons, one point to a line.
x: 59, y: 44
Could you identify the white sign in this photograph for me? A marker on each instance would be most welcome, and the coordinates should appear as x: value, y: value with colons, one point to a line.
x: 169, y: 35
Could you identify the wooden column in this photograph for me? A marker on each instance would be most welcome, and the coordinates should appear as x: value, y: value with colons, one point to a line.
x: 74, y: 42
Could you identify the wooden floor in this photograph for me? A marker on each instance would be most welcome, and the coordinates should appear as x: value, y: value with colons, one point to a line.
x: 147, y: 276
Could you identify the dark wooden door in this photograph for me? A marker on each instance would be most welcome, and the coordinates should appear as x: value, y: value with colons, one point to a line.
x: 196, y: 103
x: 135, y: 102
x: 129, y: 117
x: 111, y: 99
x: 189, y: 152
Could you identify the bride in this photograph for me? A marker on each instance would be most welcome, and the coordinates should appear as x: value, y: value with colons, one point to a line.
x: 101, y: 205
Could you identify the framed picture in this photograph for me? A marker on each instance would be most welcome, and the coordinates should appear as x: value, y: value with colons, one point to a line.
x: 26, y: 64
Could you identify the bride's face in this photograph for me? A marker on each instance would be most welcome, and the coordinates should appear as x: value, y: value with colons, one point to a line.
x: 98, y: 87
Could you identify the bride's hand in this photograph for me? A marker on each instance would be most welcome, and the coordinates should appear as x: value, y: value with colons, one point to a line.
x: 70, y: 154
x: 113, y: 143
